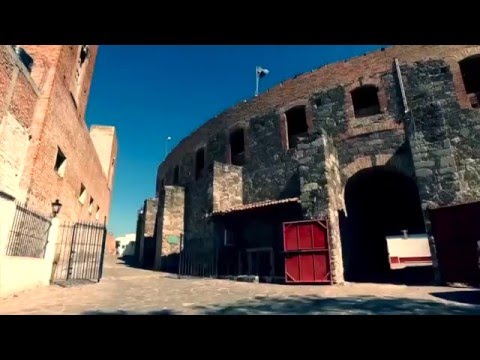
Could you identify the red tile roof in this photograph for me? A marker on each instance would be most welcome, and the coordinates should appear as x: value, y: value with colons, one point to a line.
x: 257, y: 205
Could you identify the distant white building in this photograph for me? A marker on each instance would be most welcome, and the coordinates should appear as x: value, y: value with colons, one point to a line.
x: 125, y: 245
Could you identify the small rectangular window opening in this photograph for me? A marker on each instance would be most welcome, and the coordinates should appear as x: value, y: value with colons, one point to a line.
x: 296, y: 119
x: 176, y: 172
x: 60, y: 163
x: 237, y: 147
x: 199, y: 163
x: 90, y: 205
x: 83, y: 194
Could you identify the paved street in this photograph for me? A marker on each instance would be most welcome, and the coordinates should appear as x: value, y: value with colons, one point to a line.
x: 128, y: 290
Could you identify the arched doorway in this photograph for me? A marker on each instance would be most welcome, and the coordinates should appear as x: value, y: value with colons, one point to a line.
x: 380, y: 202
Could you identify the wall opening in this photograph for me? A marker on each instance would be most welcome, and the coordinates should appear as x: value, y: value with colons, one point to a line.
x: 380, y: 202
x: 60, y: 163
x: 237, y: 147
x: 470, y: 69
x: 83, y: 194
x: 365, y: 101
x: 97, y: 214
x: 90, y: 206
x: 297, y: 126
x: 176, y: 172
x: 199, y: 163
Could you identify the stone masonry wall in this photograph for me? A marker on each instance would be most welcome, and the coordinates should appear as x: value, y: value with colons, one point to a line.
x: 227, y: 186
x: 170, y: 227
x: 436, y: 143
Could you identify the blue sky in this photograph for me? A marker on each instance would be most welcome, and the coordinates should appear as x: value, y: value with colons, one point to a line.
x: 151, y: 92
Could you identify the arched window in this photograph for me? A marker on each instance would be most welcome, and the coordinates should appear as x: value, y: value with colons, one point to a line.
x: 365, y: 101
x: 470, y: 69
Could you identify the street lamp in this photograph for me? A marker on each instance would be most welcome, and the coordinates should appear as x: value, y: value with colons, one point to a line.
x: 56, y: 206
x: 166, y: 145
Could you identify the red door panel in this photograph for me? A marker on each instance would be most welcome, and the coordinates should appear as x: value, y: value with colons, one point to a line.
x: 307, y: 258
x: 290, y: 237
x: 305, y: 240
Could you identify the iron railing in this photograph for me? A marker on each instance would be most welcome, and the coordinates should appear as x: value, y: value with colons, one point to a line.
x: 196, y: 261
x: 29, y: 233
x: 80, y: 251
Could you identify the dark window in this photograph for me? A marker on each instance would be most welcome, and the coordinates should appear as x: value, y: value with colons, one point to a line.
x: 83, y: 194
x: 176, y: 171
x: 90, y: 206
x: 60, y: 163
x: 199, y: 163
x: 237, y: 147
x: 26, y: 59
x: 83, y: 54
x: 470, y: 68
x: 365, y: 101
x: 296, y: 125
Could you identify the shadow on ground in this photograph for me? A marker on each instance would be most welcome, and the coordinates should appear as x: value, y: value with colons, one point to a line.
x: 361, y: 305
x: 314, y: 305
x: 464, y: 297
x: 130, y: 261
x: 123, y: 312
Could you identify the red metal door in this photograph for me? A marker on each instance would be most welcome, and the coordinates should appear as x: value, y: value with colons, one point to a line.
x: 456, y: 230
x: 307, y: 254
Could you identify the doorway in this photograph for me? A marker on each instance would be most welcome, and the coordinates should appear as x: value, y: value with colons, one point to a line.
x: 380, y: 202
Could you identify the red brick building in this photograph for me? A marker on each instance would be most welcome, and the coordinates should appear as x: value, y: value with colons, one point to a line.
x: 46, y: 150
x: 48, y: 153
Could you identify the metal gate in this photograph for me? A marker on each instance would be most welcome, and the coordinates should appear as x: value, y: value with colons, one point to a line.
x: 456, y: 230
x: 80, y: 252
x: 307, y: 253
x: 196, y: 261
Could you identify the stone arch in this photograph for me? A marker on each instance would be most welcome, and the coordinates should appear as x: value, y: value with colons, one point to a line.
x: 453, y: 63
x: 379, y: 201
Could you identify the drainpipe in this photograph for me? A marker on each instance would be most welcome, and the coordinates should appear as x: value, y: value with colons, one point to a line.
x: 404, y: 97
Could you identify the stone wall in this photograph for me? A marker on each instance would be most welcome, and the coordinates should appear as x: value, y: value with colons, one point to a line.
x: 170, y: 226
x: 227, y: 186
x: 435, y: 143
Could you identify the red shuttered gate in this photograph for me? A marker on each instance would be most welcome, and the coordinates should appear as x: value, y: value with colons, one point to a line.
x: 307, y: 254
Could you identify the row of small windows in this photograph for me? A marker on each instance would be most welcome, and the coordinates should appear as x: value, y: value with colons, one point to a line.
x: 59, y: 168
x: 365, y: 103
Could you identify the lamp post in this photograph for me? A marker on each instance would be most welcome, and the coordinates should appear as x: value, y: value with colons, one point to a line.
x: 166, y: 146
x: 56, y: 206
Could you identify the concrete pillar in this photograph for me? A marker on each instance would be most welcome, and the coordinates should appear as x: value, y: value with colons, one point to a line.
x: 50, y: 249
x: 7, y: 209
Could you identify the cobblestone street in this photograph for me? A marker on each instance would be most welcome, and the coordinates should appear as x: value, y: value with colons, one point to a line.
x: 128, y: 290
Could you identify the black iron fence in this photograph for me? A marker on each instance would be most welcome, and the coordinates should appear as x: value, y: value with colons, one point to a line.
x: 29, y: 233
x: 80, y: 252
x: 196, y: 261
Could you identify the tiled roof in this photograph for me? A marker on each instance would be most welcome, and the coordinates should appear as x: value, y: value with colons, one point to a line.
x: 257, y: 205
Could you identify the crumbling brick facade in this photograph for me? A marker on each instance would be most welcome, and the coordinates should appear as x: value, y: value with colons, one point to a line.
x: 429, y: 135
x: 46, y: 150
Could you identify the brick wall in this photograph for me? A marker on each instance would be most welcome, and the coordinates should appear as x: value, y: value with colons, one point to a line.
x: 43, y: 117
x: 302, y: 87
